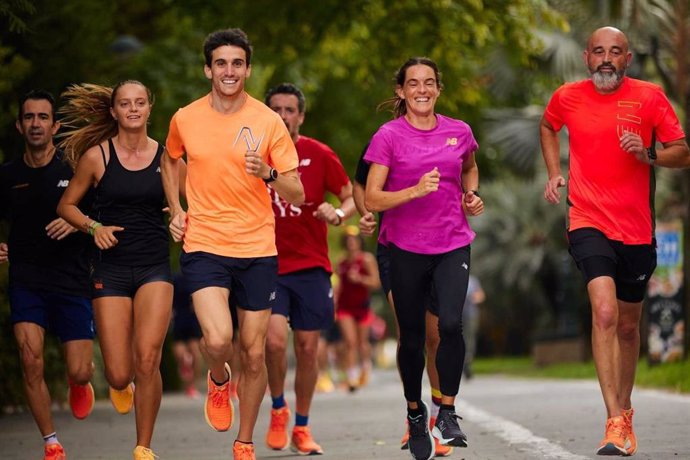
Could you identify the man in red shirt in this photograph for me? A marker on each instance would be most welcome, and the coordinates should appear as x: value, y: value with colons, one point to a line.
x: 612, y: 121
x: 304, y: 295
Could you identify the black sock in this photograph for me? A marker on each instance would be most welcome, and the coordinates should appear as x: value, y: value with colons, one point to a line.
x: 220, y: 383
x: 450, y: 407
x: 414, y: 413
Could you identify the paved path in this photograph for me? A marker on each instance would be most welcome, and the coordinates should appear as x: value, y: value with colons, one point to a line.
x: 503, y: 417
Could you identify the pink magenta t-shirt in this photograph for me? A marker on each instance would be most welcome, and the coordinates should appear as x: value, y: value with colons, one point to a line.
x: 435, y: 223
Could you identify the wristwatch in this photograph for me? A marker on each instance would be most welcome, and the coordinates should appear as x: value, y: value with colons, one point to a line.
x: 341, y: 215
x: 272, y: 175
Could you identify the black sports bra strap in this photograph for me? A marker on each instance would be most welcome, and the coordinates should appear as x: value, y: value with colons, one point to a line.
x: 105, y: 163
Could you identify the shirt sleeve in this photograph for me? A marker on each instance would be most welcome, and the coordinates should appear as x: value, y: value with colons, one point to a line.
x: 380, y: 149
x: 282, y: 153
x: 552, y: 114
x: 336, y: 177
x: 174, y: 144
x: 666, y: 123
x: 362, y: 168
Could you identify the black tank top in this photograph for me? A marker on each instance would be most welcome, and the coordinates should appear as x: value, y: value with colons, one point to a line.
x: 133, y: 200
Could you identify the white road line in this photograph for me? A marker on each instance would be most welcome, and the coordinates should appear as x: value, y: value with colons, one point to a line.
x: 518, y: 434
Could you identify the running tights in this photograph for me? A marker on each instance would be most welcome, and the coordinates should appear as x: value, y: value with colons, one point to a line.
x: 415, y: 278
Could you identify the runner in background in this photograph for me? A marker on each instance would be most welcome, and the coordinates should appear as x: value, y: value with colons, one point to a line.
x: 358, y: 275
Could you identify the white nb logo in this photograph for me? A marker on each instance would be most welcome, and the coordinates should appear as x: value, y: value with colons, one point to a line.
x: 63, y: 183
x: 272, y: 296
x: 464, y: 265
x: 305, y: 162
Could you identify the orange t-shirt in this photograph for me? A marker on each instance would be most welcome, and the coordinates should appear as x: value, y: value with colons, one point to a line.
x: 608, y: 188
x: 229, y: 210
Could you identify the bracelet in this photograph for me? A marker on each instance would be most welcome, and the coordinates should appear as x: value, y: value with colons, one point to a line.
x: 91, y: 230
x: 341, y: 214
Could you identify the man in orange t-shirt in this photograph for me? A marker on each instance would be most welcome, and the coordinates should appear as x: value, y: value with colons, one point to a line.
x: 235, y: 146
x: 612, y: 123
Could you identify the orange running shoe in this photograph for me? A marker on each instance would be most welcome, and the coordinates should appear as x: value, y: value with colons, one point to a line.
x: 218, y: 408
x: 628, y: 416
x: 615, y: 440
x: 54, y: 452
x: 277, y: 437
x: 242, y: 451
x: 122, y: 400
x: 144, y: 453
x: 405, y: 438
x: 303, y: 443
x: 441, y: 450
x: 81, y: 400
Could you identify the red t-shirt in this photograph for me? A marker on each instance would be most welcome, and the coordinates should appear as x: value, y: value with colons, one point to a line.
x: 301, y: 238
x: 608, y: 188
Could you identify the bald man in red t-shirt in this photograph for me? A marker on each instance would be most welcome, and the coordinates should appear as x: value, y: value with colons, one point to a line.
x: 612, y: 123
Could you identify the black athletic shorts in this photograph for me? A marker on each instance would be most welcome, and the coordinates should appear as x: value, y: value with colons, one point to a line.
x: 630, y: 265
x: 110, y: 280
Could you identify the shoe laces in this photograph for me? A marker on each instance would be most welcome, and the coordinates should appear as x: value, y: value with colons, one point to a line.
x: 302, y: 433
x: 417, y: 426
x: 279, y: 420
x: 243, y: 451
x: 220, y: 396
x: 146, y: 454
x: 451, y: 418
x: 616, y: 427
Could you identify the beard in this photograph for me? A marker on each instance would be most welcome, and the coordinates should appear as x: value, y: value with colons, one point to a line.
x: 607, y: 82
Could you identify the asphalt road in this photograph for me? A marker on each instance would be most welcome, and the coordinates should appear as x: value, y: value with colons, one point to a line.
x: 504, y: 418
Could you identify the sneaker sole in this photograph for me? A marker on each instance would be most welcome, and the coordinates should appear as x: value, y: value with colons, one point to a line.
x: 93, y: 403
x: 232, y: 416
x: 456, y: 442
x: 303, y: 453
x: 278, y: 448
x: 612, y: 449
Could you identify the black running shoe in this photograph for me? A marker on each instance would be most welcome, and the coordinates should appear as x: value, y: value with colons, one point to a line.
x: 420, y: 443
x: 447, y: 430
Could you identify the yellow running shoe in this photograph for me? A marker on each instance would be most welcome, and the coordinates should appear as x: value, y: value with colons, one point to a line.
x: 324, y: 384
x: 242, y: 451
x: 144, y: 453
x: 628, y: 416
x: 277, y: 437
x: 303, y: 443
x: 54, y: 452
x: 122, y: 400
x: 81, y: 400
x: 218, y: 408
x: 615, y: 440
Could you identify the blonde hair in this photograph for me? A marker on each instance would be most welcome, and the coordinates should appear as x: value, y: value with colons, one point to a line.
x: 86, y: 115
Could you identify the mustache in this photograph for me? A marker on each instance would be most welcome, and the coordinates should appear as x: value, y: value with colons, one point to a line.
x: 606, y: 66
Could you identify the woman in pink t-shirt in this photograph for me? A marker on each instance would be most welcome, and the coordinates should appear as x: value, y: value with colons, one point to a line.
x: 424, y: 176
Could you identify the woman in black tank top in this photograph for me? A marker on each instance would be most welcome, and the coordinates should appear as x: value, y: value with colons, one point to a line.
x: 130, y: 268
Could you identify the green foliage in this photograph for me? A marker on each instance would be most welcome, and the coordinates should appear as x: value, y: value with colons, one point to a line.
x: 669, y: 376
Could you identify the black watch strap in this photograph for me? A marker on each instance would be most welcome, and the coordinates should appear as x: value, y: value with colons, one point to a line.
x: 272, y: 175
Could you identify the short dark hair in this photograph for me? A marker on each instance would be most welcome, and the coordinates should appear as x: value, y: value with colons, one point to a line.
x: 231, y: 37
x: 287, y: 88
x: 36, y: 95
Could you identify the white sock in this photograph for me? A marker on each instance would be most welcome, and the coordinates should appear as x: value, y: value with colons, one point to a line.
x: 51, y: 438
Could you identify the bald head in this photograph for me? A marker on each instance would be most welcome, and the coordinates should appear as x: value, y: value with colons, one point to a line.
x: 607, y: 34
x: 607, y: 57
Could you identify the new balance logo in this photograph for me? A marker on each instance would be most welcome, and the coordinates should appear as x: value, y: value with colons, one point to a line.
x: 464, y: 265
x: 305, y: 162
x: 63, y: 183
x: 641, y: 277
x: 158, y: 169
x: 452, y: 141
x: 272, y: 296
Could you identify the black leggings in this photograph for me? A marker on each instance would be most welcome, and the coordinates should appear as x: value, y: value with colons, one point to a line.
x: 413, y: 277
